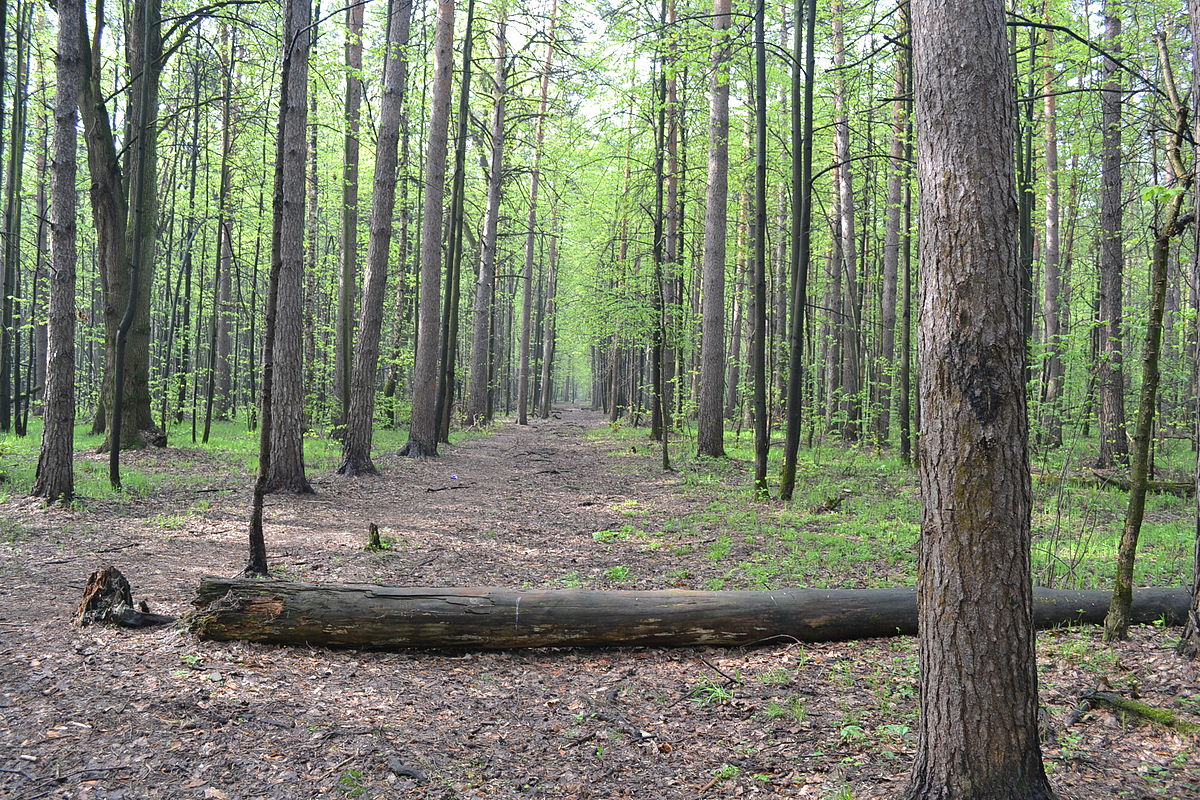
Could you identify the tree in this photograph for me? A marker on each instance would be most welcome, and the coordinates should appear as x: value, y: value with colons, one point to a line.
x: 360, y: 422
x: 1113, y: 447
x: 346, y: 288
x: 803, y: 80
x: 285, y: 471
x: 423, y: 431
x: 485, y: 284
x: 119, y: 224
x: 978, y: 723
x: 710, y: 425
x: 1052, y: 316
x: 55, y: 470
x: 1172, y: 223
x: 531, y: 223
x: 1189, y: 642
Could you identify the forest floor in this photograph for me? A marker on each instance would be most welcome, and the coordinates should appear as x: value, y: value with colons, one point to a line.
x: 105, y: 713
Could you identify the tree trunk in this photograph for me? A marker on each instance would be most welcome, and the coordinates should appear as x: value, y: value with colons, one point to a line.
x: 423, y: 432
x: 55, y: 471
x: 891, y: 244
x: 710, y: 423
x: 285, y: 470
x: 531, y: 228
x: 485, y: 284
x: 396, y: 617
x: 1189, y: 642
x: 1052, y: 370
x: 1116, y: 625
x: 978, y: 735
x: 1113, y: 447
x: 803, y: 83
x: 758, y: 343
x: 224, y: 249
x: 347, y: 287
x: 549, y: 328
x: 360, y: 422
x: 848, y: 382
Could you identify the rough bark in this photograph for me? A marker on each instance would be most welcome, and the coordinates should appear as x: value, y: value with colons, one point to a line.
x: 360, y: 422
x: 285, y: 471
x: 1114, y: 449
x: 394, y: 617
x: 531, y: 229
x: 978, y: 737
x: 549, y: 329
x: 55, y: 472
x: 710, y: 422
x: 423, y: 433
x: 485, y: 282
x: 850, y: 406
x: 347, y: 287
x: 891, y: 244
x: 1052, y: 328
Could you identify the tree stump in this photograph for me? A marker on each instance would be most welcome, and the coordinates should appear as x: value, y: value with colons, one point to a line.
x: 108, y: 600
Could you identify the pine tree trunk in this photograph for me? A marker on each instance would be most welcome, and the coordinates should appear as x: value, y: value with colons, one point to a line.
x: 531, y: 229
x: 978, y: 736
x: 485, y: 283
x: 55, y: 473
x: 549, y: 328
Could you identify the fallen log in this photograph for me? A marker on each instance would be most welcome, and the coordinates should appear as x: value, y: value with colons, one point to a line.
x: 397, y: 617
x: 1106, y: 480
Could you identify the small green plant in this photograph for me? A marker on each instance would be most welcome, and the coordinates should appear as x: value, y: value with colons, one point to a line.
x: 573, y: 580
x: 726, y: 772
x: 720, y: 548
x: 618, y: 574
x: 851, y: 734
x: 605, y: 537
x: 351, y: 782
x: 789, y: 708
x: 709, y: 692
x: 843, y: 792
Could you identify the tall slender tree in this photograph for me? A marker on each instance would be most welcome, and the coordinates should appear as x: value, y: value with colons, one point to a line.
x: 485, y: 283
x: 285, y: 470
x: 423, y: 432
x: 531, y: 225
x: 55, y: 471
x: 360, y: 422
x: 710, y: 423
x: 347, y: 287
x: 1114, y: 449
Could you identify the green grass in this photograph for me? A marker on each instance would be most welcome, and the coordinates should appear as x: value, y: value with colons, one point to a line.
x: 855, y: 517
x: 231, y: 449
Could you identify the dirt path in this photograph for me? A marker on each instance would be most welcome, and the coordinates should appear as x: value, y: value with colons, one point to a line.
x: 117, y: 714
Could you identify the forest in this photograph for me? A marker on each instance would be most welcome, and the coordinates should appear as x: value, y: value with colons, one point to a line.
x: 536, y: 398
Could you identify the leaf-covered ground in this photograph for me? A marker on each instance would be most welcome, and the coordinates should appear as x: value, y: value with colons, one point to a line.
x: 100, y: 713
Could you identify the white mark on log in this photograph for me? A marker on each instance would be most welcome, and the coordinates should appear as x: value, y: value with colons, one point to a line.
x: 517, y: 618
